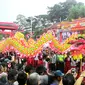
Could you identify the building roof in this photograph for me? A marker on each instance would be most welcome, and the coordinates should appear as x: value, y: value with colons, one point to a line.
x: 8, y: 26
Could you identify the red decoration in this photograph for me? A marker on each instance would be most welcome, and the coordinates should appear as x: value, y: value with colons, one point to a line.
x: 78, y: 27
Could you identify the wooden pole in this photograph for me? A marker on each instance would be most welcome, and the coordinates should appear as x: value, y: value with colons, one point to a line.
x: 80, y: 65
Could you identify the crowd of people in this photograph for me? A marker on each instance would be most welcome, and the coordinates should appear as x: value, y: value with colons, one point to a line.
x: 46, y: 68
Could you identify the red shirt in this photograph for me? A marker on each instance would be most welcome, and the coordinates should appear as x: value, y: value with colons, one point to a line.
x: 40, y: 62
x: 83, y: 66
x: 30, y: 61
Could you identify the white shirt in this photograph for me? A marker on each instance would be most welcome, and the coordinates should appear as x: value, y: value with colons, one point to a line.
x: 45, y: 64
x: 36, y: 58
x: 73, y: 63
x: 54, y: 58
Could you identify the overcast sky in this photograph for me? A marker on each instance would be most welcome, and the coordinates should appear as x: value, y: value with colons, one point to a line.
x: 9, y: 9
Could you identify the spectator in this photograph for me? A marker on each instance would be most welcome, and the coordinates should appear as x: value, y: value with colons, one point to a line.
x: 34, y: 79
x: 22, y: 78
x: 11, y: 77
x: 41, y: 70
x: 29, y: 69
x: 81, y: 80
x: 3, y: 80
x: 57, y: 77
x: 68, y: 79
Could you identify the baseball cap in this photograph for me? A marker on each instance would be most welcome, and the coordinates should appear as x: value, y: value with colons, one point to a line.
x: 58, y: 73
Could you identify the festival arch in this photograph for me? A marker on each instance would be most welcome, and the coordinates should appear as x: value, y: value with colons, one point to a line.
x: 7, y: 28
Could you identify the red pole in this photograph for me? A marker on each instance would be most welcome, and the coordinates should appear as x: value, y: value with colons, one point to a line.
x: 61, y: 37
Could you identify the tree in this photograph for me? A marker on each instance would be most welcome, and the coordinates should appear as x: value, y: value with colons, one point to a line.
x: 76, y: 11
x: 60, y: 11
x: 66, y: 6
x: 37, y: 33
x: 32, y: 24
x: 43, y: 21
x: 55, y: 12
x: 21, y: 21
x: 38, y: 22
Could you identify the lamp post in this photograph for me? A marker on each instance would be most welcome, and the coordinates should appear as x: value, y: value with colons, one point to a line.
x: 30, y: 20
x: 31, y: 26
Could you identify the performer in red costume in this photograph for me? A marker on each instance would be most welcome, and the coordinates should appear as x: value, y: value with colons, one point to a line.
x: 67, y: 63
x: 83, y: 64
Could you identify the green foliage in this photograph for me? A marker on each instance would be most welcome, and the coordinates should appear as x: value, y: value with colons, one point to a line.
x: 21, y: 20
x: 76, y: 11
x: 37, y: 33
x: 70, y: 9
x: 33, y: 24
x: 43, y: 19
x: 1, y: 36
x: 60, y: 11
x: 55, y: 12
